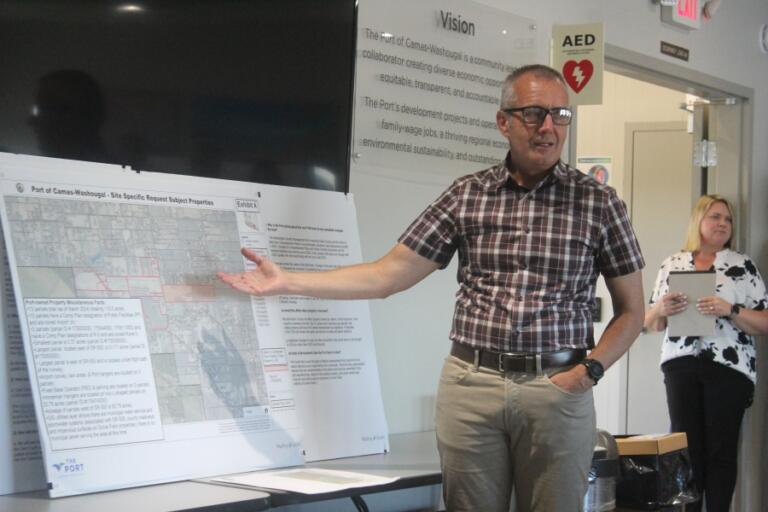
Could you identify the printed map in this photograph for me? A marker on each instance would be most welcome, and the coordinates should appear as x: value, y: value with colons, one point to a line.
x: 202, y: 338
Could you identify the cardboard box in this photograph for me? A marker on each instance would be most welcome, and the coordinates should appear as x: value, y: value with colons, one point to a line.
x: 655, y: 471
x: 652, y: 444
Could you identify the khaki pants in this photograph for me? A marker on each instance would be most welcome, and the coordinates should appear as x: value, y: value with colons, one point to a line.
x: 496, y: 432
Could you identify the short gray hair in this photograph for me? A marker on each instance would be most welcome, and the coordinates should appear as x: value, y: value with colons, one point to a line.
x: 541, y: 71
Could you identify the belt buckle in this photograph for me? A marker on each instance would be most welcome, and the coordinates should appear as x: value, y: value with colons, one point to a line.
x: 502, y: 355
x: 532, y: 361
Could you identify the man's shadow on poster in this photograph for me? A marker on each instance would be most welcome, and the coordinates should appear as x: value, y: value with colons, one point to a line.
x: 68, y: 115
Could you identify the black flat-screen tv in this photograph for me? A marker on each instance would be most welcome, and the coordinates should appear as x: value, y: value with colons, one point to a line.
x: 253, y: 90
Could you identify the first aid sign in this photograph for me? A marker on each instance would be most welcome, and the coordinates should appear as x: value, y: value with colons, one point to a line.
x: 578, y: 53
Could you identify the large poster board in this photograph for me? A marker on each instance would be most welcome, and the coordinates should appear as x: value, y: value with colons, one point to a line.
x: 143, y: 367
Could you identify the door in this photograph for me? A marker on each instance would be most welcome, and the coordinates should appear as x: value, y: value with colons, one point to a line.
x: 660, y: 178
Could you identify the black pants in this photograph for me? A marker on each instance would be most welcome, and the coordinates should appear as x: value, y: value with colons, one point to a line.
x: 707, y: 401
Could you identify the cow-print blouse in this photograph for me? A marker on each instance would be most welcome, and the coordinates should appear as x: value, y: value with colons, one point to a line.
x: 737, y: 281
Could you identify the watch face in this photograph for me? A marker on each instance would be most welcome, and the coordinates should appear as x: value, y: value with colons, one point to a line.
x: 594, y: 368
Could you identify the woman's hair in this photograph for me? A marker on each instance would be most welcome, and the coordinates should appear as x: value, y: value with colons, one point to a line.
x: 693, y: 242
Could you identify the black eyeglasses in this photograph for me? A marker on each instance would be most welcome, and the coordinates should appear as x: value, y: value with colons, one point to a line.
x: 535, y: 115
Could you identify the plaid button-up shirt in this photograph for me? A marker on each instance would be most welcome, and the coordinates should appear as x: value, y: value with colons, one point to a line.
x: 528, y: 259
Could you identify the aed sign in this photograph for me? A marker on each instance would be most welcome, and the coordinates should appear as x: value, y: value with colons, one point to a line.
x: 686, y: 13
x: 578, y: 53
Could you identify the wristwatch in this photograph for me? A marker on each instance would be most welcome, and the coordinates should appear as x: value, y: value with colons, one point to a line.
x: 735, y: 310
x: 595, y: 369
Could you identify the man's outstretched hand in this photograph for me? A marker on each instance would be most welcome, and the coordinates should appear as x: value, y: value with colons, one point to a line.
x: 264, y: 280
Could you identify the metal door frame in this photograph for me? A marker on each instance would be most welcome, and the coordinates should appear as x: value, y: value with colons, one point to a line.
x: 656, y: 71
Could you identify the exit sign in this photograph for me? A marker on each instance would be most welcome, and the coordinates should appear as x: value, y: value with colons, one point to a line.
x: 686, y: 13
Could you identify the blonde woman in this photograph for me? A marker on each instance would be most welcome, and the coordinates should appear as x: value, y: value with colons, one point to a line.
x: 710, y: 380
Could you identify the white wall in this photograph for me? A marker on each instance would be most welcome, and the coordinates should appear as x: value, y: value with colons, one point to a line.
x: 411, y: 330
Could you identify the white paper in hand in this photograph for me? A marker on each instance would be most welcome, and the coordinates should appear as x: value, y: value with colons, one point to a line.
x: 694, y: 285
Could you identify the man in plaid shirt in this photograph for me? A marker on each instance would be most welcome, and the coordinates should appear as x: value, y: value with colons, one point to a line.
x: 514, y: 403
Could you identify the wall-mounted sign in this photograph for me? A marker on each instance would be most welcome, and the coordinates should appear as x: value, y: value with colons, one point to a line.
x: 577, y: 52
x: 675, y: 51
x: 685, y: 13
x: 429, y: 77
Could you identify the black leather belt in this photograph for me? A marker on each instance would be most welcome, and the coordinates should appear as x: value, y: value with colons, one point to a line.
x: 517, y: 361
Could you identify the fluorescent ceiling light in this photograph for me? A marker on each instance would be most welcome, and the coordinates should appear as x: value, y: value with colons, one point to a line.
x: 130, y: 8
